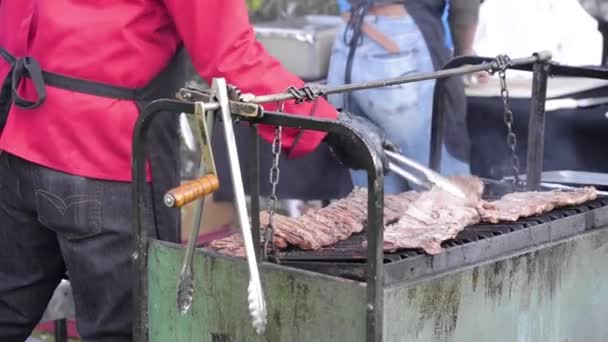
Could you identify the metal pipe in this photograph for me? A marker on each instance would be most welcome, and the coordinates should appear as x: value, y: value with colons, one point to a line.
x: 603, y: 28
x: 485, y: 64
x: 437, y: 123
x: 536, y: 128
x: 61, y: 330
x: 254, y: 183
x: 375, y: 252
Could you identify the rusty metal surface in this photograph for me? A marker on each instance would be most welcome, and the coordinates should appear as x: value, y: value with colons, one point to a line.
x: 558, y: 292
x: 302, y: 306
x: 552, y: 292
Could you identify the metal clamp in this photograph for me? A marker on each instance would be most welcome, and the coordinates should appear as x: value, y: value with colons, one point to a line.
x: 237, y: 107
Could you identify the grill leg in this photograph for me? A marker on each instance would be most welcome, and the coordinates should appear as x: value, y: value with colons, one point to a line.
x: 536, y: 129
x: 61, y: 330
x: 603, y: 28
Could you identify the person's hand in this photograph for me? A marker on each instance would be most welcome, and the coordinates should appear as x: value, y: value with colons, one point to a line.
x: 343, y: 146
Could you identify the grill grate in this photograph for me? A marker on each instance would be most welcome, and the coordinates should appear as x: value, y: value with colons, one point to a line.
x: 352, y: 250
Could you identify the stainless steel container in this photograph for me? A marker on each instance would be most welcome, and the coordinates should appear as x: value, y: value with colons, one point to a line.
x: 302, y: 44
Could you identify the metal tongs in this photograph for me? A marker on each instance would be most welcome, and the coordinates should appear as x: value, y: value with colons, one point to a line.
x: 206, y: 185
x: 255, y: 297
x: 428, y: 178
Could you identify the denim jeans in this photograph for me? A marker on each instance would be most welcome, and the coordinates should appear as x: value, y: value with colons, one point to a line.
x: 402, y: 111
x: 51, y: 224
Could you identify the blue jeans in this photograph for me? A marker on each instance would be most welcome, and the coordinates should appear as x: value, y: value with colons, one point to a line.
x: 402, y: 111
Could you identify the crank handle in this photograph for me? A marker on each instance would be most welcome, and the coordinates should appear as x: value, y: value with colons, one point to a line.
x: 191, y: 191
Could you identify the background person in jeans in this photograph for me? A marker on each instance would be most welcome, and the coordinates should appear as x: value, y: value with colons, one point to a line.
x: 397, y: 40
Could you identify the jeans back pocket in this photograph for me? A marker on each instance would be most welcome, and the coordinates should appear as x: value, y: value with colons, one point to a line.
x: 69, y: 205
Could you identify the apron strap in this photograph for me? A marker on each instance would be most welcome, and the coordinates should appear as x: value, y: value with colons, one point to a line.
x: 27, y: 67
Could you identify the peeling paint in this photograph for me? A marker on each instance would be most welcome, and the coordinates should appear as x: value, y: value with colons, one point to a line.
x: 599, y: 241
x: 440, y: 302
x: 494, y: 280
x: 475, y: 278
x: 543, y: 272
x: 411, y: 294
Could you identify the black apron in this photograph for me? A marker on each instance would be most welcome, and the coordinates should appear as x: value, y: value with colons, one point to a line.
x: 162, y: 145
x: 427, y: 15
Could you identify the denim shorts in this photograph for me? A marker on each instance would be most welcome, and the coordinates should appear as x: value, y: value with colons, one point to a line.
x: 402, y: 111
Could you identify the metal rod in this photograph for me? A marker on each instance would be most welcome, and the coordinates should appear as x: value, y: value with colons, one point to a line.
x: 485, y: 64
x: 536, y: 128
x: 603, y: 28
x: 437, y: 122
x: 254, y: 183
x: 375, y: 254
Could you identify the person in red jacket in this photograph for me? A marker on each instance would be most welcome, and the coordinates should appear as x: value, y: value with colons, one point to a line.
x: 74, y: 74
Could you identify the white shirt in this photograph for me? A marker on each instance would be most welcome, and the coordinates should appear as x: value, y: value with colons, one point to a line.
x: 521, y: 27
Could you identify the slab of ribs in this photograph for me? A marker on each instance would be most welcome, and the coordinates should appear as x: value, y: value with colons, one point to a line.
x: 421, y: 220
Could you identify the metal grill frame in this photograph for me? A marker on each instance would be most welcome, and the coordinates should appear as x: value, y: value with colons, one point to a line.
x: 376, y: 274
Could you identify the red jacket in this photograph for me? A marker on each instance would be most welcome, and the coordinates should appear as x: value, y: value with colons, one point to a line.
x: 126, y: 43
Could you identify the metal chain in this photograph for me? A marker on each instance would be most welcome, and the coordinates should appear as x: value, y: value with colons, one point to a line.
x: 275, y: 174
x: 503, y: 63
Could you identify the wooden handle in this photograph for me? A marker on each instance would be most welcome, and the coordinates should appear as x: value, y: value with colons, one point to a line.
x: 191, y: 191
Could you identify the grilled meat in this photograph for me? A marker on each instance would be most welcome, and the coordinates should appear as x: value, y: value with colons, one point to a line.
x: 435, y: 216
x: 412, y: 219
x: 322, y: 227
x: 514, y: 206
